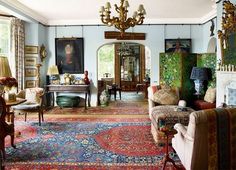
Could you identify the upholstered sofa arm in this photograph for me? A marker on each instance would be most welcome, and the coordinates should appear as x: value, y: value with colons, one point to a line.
x: 183, y: 131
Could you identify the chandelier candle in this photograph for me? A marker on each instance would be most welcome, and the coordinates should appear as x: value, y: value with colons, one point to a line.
x: 122, y: 22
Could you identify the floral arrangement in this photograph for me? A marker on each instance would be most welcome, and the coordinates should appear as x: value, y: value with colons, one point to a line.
x: 69, y: 78
x: 8, y: 82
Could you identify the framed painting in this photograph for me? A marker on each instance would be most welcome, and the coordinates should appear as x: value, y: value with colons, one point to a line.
x: 30, y: 72
x: 30, y: 49
x: 178, y: 45
x: 30, y: 83
x: 30, y: 61
x: 70, y: 55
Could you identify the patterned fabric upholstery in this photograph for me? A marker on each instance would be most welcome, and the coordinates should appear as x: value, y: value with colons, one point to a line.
x: 166, y: 117
x: 209, y: 141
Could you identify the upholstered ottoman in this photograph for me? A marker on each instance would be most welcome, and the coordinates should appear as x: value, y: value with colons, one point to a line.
x: 165, y: 116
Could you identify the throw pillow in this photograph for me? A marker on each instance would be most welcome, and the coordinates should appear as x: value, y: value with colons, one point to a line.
x: 210, y: 95
x: 165, y: 97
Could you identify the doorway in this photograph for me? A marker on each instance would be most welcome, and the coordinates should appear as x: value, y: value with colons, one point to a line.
x: 126, y: 65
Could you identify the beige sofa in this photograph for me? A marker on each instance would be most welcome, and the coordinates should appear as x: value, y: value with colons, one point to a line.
x: 208, y: 130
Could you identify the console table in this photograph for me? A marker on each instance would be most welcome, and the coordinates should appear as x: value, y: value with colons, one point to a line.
x: 80, y: 88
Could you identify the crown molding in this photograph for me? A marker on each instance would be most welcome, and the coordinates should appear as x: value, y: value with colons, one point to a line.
x: 37, y: 17
x: 17, y: 6
x: 208, y: 16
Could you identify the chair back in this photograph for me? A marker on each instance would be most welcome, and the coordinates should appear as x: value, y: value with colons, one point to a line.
x: 34, y: 95
x: 2, y: 109
x: 213, y: 131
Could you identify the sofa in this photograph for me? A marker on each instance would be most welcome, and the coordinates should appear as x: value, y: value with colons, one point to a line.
x: 208, y: 142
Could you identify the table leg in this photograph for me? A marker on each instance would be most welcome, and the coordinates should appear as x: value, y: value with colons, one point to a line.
x: 85, y: 102
x: 115, y: 94
x: 120, y: 94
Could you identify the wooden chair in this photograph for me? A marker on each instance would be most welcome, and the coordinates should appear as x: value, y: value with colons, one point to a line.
x: 34, y: 103
x: 5, y: 129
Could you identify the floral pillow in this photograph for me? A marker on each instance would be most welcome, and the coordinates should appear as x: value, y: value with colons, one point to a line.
x: 166, y: 96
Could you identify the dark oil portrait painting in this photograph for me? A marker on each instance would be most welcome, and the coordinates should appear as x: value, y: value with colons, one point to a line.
x: 70, y: 55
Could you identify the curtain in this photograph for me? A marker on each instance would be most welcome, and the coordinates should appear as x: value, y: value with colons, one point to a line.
x: 17, y: 50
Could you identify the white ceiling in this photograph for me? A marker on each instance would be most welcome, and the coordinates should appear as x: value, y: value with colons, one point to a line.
x: 67, y: 12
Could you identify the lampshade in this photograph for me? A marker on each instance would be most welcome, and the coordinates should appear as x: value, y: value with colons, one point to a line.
x: 53, y: 70
x: 199, y: 73
x: 5, y: 70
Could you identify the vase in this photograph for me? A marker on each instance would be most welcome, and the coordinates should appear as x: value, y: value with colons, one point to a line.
x: 104, y: 98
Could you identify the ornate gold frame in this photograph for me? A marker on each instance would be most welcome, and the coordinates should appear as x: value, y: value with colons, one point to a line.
x: 228, y: 26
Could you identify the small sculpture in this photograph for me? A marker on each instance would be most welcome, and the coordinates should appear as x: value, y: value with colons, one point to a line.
x: 86, y: 79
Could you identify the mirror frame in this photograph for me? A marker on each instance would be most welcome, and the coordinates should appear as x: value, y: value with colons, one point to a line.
x: 228, y: 26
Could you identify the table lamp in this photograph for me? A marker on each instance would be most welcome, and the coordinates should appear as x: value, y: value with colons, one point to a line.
x: 6, y: 80
x: 199, y: 75
x: 53, y: 74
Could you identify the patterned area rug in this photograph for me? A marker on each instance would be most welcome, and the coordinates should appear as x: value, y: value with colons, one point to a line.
x: 85, y: 145
x: 114, y: 108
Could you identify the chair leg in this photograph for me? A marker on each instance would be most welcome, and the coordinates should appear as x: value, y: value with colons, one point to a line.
x: 2, y: 160
x: 25, y: 116
x: 42, y: 115
x: 12, y: 140
x: 39, y: 118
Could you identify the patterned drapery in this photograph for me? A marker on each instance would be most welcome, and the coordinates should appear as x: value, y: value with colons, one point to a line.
x: 17, y: 50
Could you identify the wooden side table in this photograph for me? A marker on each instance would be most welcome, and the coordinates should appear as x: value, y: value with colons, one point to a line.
x: 169, y: 133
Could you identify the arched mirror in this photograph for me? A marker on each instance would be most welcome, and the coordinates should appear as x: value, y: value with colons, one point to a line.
x: 125, y: 64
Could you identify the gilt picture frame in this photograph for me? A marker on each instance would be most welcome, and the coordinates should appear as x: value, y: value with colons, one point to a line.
x: 70, y: 55
x: 30, y: 49
x: 30, y: 83
x: 30, y: 72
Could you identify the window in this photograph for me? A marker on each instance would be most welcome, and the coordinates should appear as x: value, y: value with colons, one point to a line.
x: 5, y: 37
x: 106, y: 61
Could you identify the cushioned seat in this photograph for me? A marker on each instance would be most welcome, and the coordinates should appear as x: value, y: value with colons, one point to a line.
x: 34, y: 97
x: 166, y: 117
x: 201, y: 105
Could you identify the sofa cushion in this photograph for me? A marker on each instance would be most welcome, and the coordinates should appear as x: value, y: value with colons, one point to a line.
x: 210, y: 95
x: 166, y: 96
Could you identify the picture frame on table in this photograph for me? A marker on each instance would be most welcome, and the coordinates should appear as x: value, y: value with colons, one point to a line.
x: 30, y: 49
x: 178, y: 45
x: 30, y: 72
x: 30, y: 83
x: 70, y: 55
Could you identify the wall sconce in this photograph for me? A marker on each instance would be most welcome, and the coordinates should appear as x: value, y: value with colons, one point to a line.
x: 43, y: 52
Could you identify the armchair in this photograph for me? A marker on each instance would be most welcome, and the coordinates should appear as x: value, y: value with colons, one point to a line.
x: 34, y: 97
x: 208, y: 142
x: 151, y: 100
x: 5, y: 129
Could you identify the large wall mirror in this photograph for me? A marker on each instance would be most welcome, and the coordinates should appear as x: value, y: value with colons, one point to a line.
x: 125, y: 64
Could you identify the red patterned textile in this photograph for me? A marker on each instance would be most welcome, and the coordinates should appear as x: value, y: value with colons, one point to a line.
x: 167, y: 117
x: 202, y: 105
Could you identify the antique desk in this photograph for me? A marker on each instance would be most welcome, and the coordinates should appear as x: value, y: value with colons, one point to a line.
x: 80, y: 88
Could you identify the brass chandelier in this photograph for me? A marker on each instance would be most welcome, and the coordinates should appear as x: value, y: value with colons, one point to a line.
x: 122, y: 22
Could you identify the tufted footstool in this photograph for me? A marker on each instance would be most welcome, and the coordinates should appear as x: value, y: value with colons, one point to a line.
x: 165, y: 116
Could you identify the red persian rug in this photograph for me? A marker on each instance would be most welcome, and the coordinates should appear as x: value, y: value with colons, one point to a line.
x: 80, y: 144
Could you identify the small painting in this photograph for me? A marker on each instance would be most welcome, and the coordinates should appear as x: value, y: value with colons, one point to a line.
x: 30, y: 72
x: 178, y: 45
x: 30, y: 83
x: 29, y: 49
x: 30, y: 61
x: 70, y: 55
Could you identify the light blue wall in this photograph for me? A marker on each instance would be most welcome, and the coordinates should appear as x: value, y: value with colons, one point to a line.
x: 37, y: 34
x: 94, y: 39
